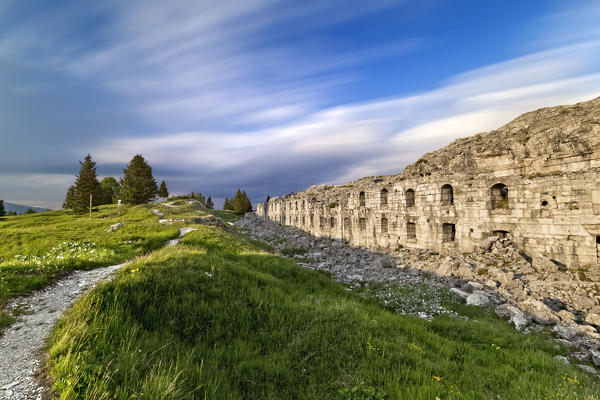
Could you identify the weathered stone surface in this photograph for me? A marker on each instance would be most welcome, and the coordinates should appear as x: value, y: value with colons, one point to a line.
x: 593, y: 319
x: 479, y: 298
x: 514, y: 315
x: 532, y: 182
x: 540, y: 312
x: 460, y: 293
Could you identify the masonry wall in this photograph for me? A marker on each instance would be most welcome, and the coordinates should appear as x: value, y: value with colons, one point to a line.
x: 550, y: 209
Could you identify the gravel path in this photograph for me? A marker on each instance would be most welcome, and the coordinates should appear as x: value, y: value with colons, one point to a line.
x: 22, y: 346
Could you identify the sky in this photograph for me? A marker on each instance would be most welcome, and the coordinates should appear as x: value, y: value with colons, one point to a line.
x: 272, y: 96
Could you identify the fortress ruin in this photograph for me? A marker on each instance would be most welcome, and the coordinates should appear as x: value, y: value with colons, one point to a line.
x: 536, y: 180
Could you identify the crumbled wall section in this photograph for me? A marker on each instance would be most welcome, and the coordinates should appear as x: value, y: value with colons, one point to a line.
x: 457, y: 197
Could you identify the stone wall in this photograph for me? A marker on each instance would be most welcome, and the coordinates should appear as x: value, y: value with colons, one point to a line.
x: 548, y: 205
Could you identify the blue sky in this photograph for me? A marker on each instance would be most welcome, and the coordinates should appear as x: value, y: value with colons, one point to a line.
x: 268, y: 95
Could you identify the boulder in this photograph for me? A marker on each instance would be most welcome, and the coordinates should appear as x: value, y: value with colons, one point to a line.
x: 114, y: 227
x: 565, y: 315
x: 486, y: 244
x: 593, y: 319
x: 158, y: 214
x: 595, y: 354
x: 460, y: 293
x: 209, y: 220
x: 571, y: 330
x: 543, y: 264
x: 540, y: 312
x: 588, y: 369
x: 474, y: 285
x: 513, y: 314
x: 564, y: 360
x: 581, y: 302
x: 479, y: 298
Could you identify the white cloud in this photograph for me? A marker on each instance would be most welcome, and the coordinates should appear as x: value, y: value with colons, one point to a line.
x: 383, y: 136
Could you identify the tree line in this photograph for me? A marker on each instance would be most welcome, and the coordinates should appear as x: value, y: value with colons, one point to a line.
x: 240, y: 203
x: 4, y: 213
x: 137, y: 186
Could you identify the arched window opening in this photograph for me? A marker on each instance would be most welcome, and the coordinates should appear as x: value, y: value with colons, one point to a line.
x: 362, y: 224
x: 448, y: 233
x: 303, y: 220
x: 447, y: 195
x: 296, y: 206
x: 410, y: 198
x: 321, y: 222
x: 383, y: 198
x: 332, y: 222
x: 362, y: 199
x: 411, y: 230
x: 312, y: 219
x: 499, y: 196
x: 303, y: 205
x: 384, y: 225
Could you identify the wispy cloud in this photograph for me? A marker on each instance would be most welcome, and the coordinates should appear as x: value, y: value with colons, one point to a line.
x: 381, y: 136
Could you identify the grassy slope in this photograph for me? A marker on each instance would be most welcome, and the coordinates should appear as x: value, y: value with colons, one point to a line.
x: 219, y: 318
x: 27, y: 236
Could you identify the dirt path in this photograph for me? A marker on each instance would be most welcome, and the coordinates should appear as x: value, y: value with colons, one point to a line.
x: 22, y: 346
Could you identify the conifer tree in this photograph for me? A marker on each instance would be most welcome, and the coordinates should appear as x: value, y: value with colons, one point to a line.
x: 70, y: 198
x: 209, y: 203
x: 137, y: 185
x: 86, y: 184
x: 2, y: 210
x: 241, y: 202
x: 227, y: 205
x: 162, y: 190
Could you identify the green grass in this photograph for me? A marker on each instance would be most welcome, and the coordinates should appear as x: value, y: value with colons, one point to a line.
x: 218, y: 318
x: 38, y: 247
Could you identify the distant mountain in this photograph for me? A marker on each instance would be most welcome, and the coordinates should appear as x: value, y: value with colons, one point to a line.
x: 20, y: 209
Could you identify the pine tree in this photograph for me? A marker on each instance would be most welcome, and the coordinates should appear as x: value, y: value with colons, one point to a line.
x: 2, y: 210
x: 137, y: 185
x: 86, y: 184
x: 241, y: 202
x: 70, y: 198
x: 209, y: 203
x: 227, y: 205
x: 162, y: 190
x: 246, y: 204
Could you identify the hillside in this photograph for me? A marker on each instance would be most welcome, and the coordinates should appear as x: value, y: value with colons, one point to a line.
x: 20, y: 209
x: 222, y: 317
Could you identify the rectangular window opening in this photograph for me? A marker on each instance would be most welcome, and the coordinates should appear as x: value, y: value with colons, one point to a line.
x: 448, y: 232
x: 411, y: 230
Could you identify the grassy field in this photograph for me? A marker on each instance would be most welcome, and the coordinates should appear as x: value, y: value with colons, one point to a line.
x: 38, y: 247
x: 218, y: 317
